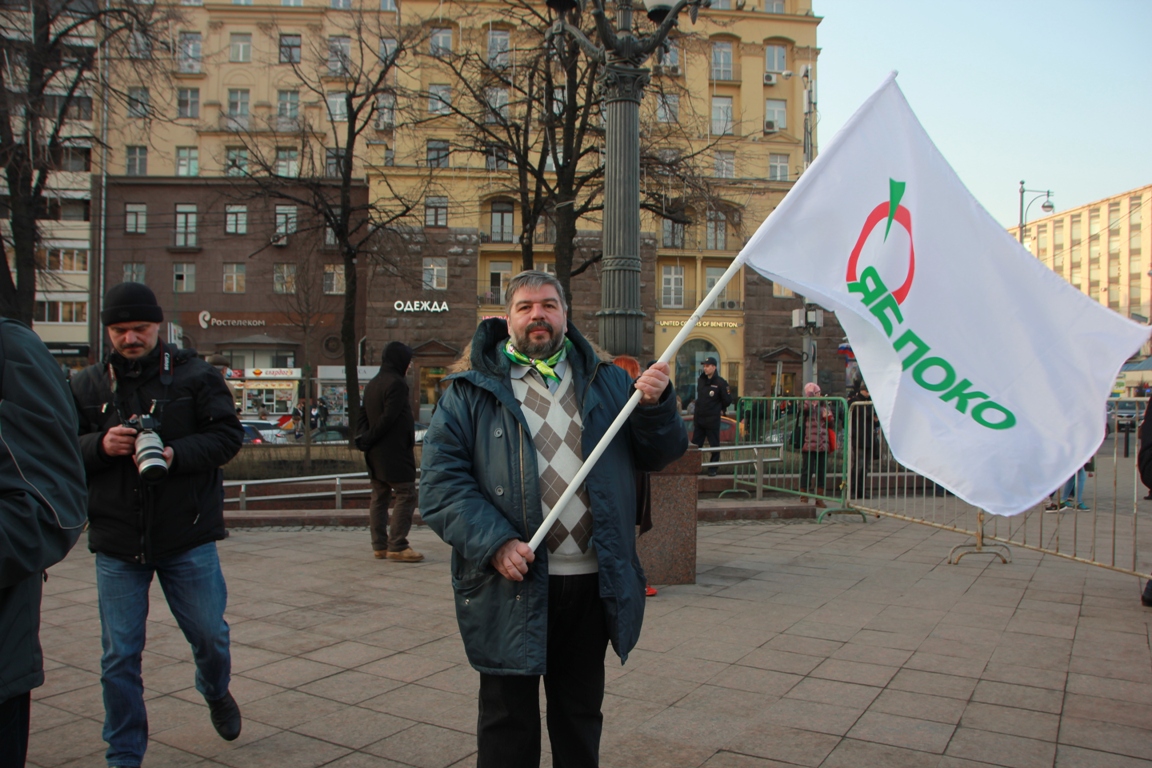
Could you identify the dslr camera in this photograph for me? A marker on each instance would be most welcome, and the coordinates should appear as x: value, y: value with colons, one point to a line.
x: 149, y: 448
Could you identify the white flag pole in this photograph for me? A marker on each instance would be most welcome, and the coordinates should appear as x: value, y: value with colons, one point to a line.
x: 630, y: 406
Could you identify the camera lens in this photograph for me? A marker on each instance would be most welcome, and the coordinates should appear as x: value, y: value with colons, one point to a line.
x: 150, y: 457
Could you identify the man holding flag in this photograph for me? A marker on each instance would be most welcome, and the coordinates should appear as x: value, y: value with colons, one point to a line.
x: 528, y: 401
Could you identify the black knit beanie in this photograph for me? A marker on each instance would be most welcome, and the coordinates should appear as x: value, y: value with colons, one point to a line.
x: 131, y: 302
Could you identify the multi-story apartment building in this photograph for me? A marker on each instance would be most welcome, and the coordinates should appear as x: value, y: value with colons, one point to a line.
x: 272, y: 89
x: 1104, y: 249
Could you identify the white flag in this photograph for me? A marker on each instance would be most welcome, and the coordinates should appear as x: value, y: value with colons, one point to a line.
x: 989, y: 372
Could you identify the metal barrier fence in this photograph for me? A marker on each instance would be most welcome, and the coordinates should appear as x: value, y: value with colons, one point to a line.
x: 1110, y: 532
x: 339, y: 492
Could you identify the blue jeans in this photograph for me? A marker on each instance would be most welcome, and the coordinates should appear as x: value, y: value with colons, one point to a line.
x: 1075, y: 483
x: 194, y: 588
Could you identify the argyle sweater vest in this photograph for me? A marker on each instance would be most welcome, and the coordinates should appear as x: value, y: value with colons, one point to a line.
x: 554, y: 419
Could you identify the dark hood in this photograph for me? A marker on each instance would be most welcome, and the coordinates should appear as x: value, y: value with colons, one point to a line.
x: 397, y: 357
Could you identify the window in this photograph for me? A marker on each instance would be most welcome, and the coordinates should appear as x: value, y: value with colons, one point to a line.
x: 78, y: 107
x: 435, y: 211
x: 138, y: 99
x: 189, y: 53
x: 136, y: 161
x: 441, y: 42
x: 497, y: 105
x: 188, y: 102
x: 134, y: 272
x: 292, y: 3
x: 777, y: 167
x: 236, y: 219
x: 290, y: 49
x: 671, y: 57
x: 334, y: 162
x: 187, y: 161
x: 238, y: 102
x: 241, y: 2
x: 388, y: 48
x: 712, y: 276
x: 775, y: 58
x: 285, y: 223
x: 717, y: 232
x: 499, y: 47
x: 496, y: 158
x: 78, y: 159
x: 334, y: 279
x: 725, y: 167
x: 284, y: 278
x: 338, y: 107
x: 439, y: 99
x: 722, y: 5
x: 235, y: 161
x: 184, y: 277
x: 61, y: 312
x: 389, y: 157
x: 673, y: 234
x: 240, y: 47
x: 66, y: 260
x: 288, y: 163
x: 773, y: 6
x: 775, y: 115
x: 499, y: 273
x: 672, y: 287
x: 668, y: 107
x: 437, y: 154
x: 722, y: 61
x: 436, y: 274
x: 780, y: 292
x: 722, y: 115
x: 329, y: 232
x: 385, y: 110
x: 234, y: 275
x: 342, y: 5
x: 136, y: 220
x: 139, y: 46
x: 502, y: 223
x: 387, y: 5
x: 185, y: 226
x: 339, y: 55
x: 287, y: 104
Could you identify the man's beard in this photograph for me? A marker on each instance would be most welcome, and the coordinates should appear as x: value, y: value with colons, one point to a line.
x: 538, y: 350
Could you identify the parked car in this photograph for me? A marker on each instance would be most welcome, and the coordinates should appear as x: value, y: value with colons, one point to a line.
x: 333, y: 434
x: 252, y: 435
x: 1125, y: 414
x: 267, y: 429
x: 728, y: 429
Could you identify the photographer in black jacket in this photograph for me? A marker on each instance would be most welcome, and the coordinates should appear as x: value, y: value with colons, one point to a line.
x: 146, y: 389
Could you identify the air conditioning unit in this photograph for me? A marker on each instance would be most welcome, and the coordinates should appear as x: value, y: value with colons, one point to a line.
x: 730, y: 304
x: 657, y: 69
x: 673, y: 69
x: 770, y: 126
x: 770, y: 78
x: 279, y: 240
x: 383, y: 124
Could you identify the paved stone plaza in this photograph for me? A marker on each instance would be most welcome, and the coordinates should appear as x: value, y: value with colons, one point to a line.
x: 841, y: 644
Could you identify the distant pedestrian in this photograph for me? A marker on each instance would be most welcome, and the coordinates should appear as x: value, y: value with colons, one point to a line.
x: 298, y: 419
x: 816, y: 418
x: 864, y: 440
x: 712, y: 400
x: 386, y: 432
x: 1144, y: 460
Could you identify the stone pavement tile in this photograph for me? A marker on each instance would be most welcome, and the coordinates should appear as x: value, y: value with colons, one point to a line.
x: 697, y: 727
x: 290, y: 708
x: 353, y: 727
x: 1001, y: 749
x: 1014, y: 654
x: 906, y: 732
x: 1077, y: 757
x: 1109, y: 688
x: 450, y: 649
x: 1137, y: 669
x: 245, y: 657
x: 680, y: 668
x: 711, y: 698
x: 793, y: 642
x: 283, y: 750
x: 399, y: 638
x: 160, y: 754
x: 710, y: 650
x: 419, y: 703
x: 350, y: 686
x: 289, y: 642
x: 748, y: 637
x: 933, y: 683
x: 940, y: 709
x: 364, y: 760
x: 81, y: 653
x: 64, y: 679
x: 254, y: 609
x: 641, y: 750
x: 622, y: 714
x: 355, y: 627
x: 823, y: 631
x: 406, y: 667
x: 56, y: 746
x: 835, y: 692
x: 961, y: 649
x: 640, y: 684
x: 1021, y: 696
x: 85, y: 702
x: 852, y: 753
x: 780, y: 661
x: 896, y: 640
x: 165, y: 712
x: 812, y: 716
x: 761, y: 681
x: 788, y: 745
x: 1107, y: 710
x: 854, y: 672
x: 459, y: 678
x: 1107, y: 737
x: 199, y: 738
x: 425, y: 746
x: 948, y: 665
x: 348, y: 654
x: 872, y: 654
x: 1012, y: 720
x: 1037, y: 678
x: 733, y: 760
x: 44, y: 716
x: 293, y: 672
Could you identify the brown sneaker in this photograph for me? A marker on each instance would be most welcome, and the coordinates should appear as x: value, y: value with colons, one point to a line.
x: 406, y: 556
x: 380, y: 554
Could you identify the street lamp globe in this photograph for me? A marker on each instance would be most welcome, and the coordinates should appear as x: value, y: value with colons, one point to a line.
x: 658, y: 10
x: 563, y: 6
x: 1047, y: 206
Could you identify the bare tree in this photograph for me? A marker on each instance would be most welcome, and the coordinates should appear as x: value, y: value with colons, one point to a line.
x: 51, y: 55
x: 309, y: 156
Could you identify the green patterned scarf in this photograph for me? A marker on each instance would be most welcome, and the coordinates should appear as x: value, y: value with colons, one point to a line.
x: 544, y: 367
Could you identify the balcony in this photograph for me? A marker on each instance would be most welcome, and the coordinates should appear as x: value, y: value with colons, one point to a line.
x: 489, y: 295
x: 234, y: 123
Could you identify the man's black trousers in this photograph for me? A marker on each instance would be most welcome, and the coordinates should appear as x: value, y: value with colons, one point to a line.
x: 14, y: 722
x: 712, y: 434
x: 509, y: 725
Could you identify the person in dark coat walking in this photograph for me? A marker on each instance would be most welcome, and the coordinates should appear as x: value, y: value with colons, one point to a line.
x: 43, y: 505
x: 165, y: 526
x: 1144, y: 460
x: 712, y: 399
x: 864, y: 425
x: 387, y: 435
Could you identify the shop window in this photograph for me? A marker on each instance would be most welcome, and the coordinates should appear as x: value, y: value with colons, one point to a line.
x: 435, y: 274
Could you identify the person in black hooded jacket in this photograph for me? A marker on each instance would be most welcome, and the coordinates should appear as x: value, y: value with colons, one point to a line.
x: 168, y: 527
x: 42, y: 511
x: 386, y: 433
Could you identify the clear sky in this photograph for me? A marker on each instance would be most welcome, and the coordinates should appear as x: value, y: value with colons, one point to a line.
x: 1057, y: 93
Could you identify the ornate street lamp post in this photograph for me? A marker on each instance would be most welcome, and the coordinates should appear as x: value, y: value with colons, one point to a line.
x: 624, y: 77
x: 1046, y: 206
